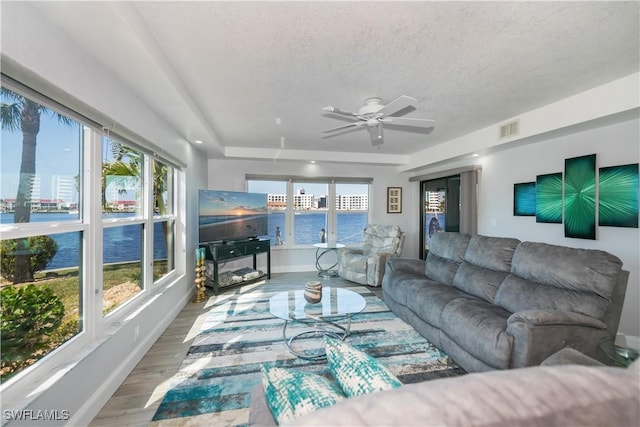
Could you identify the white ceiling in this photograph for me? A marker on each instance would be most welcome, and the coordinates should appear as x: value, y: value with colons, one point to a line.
x: 223, y: 72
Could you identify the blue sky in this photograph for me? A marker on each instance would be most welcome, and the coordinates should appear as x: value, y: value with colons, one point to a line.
x: 57, y: 153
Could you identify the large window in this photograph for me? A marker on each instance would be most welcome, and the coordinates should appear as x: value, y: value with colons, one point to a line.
x: 315, y: 211
x: 311, y: 213
x: 122, y: 245
x: 352, y: 212
x: 277, y: 207
x: 83, y: 216
x: 40, y: 283
x: 164, y: 225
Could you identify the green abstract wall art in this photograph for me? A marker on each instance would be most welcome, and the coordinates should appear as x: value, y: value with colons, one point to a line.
x: 524, y: 199
x: 618, y: 201
x: 580, y: 197
x: 549, y: 198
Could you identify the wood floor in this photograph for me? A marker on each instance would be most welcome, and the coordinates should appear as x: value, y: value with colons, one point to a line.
x: 137, y: 399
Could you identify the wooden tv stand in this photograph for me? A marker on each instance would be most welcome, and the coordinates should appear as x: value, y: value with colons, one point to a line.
x: 218, y: 252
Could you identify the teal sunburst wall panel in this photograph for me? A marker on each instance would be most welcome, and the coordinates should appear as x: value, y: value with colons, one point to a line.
x: 618, y: 201
x: 549, y: 198
x: 524, y: 199
x: 580, y: 197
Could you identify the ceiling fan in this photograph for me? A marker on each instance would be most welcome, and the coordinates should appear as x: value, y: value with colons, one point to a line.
x: 373, y: 115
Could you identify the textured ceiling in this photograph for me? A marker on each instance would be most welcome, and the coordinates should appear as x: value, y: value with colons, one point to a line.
x: 223, y: 72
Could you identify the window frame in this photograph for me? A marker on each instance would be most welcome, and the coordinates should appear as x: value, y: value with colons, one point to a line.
x: 27, y: 382
x: 331, y: 210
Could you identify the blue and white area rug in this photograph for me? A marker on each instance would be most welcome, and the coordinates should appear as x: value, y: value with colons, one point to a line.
x: 214, y: 383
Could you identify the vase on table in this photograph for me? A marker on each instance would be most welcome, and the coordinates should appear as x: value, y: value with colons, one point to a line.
x: 313, y: 292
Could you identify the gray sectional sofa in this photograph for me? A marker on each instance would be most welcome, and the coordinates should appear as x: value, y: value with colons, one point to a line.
x: 569, y: 389
x: 498, y: 303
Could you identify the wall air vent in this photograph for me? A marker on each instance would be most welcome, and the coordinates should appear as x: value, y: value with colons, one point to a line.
x: 509, y: 129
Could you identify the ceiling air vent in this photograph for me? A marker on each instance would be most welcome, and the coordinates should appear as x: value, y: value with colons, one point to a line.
x: 509, y: 129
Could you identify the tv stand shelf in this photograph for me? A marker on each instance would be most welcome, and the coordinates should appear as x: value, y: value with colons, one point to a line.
x: 218, y: 252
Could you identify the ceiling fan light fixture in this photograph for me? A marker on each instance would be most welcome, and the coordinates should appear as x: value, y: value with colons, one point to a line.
x: 374, y: 114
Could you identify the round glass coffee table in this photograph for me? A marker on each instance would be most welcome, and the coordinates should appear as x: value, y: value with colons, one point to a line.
x: 337, y: 305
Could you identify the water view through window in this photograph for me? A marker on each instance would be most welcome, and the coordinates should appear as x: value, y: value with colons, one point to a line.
x: 40, y: 157
x: 310, y: 206
x: 54, y: 257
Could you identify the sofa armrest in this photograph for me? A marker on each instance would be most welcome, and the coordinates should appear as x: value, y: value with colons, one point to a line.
x: 259, y: 412
x: 409, y: 265
x: 555, y: 317
x: 570, y: 356
x: 537, y: 334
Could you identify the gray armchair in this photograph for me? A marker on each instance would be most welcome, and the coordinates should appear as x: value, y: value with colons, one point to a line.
x: 365, y: 265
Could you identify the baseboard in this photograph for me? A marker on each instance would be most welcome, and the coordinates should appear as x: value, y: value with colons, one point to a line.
x: 103, y: 393
x: 293, y: 268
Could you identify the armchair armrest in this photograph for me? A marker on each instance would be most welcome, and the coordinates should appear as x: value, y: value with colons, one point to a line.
x: 350, y: 250
x: 554, y: 318
x: 409, y: 265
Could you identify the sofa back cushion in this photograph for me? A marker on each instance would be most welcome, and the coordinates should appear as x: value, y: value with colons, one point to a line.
x: 487, y: 262
x: 557, y: 277
x: 493, y: 253
x: 446, y: 252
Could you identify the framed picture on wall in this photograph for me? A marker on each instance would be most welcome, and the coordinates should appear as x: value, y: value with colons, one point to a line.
x: 394, y: 199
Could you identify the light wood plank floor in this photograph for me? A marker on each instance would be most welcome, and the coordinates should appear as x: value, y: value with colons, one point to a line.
x: 136, y: 400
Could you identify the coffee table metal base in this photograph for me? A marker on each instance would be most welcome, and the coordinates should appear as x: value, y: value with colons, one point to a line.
x: 320, y: 327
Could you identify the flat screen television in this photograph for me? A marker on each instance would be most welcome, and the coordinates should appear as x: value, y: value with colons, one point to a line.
x: 227, y: 216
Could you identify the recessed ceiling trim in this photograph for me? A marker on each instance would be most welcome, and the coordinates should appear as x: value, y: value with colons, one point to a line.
x: 131, y: 17
x: 324, y: 156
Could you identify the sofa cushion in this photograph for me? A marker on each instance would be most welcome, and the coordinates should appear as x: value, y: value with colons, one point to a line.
x: 291, y: 393
x: 259, y: 412
x: 538, y: 396
x: 449, y: 245
x: 405, y: 285
x: 480, y: 328
x: 487, y: 261
x: 446, y: 252
x: 355, y: 371
x: 517, y: 294
x: 567, y: 268
x: 493, y: 253
x: 429, y: 301
x: 477, y: 281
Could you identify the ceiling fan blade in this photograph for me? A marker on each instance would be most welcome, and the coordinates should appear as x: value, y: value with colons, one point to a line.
x: 377, y: 137
x: 343, y: 127
x: 338, y: 111
x: 400, y: 103
x: 407, y: 121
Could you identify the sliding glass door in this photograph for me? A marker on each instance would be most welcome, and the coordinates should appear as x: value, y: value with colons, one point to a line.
x: 440, y: 199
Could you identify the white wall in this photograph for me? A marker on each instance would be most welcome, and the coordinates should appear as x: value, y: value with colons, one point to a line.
x: 230, y: 175
x: 613, y: 144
